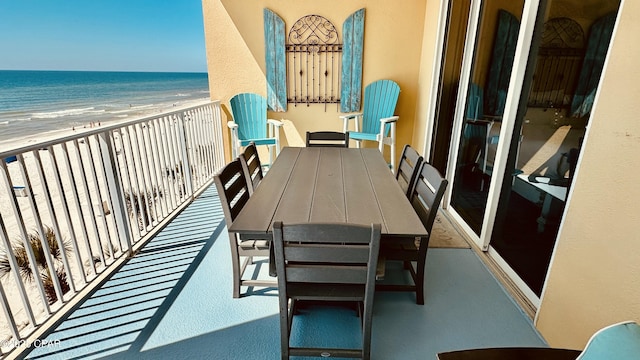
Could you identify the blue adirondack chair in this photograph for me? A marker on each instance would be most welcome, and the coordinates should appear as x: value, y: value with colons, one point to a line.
x: 250, y: 124
x: 618, y: 341
x: 378, y: 121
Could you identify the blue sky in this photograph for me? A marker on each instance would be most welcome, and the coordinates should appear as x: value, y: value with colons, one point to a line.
x: 107, y: 35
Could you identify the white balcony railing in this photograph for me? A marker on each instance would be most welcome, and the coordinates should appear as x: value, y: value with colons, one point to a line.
x: 73, y: 209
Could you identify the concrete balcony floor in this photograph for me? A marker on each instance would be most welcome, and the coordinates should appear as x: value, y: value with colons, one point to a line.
x: 173, y: 301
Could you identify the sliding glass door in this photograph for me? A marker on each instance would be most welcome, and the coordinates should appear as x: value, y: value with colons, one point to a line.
x: 491, y: 44
x: 530, y: 71
x: 566, y: 56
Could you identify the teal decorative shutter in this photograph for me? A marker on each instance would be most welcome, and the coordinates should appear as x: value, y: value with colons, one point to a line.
x: 275, y: 61
x: 353, y: 41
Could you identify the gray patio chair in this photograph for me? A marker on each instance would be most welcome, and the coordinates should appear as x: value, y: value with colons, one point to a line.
x: 234, y: 193
x: 426, y: 195
x: 325, y: 263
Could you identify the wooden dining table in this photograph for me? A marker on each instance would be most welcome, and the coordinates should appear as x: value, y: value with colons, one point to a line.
x: 320, y: 185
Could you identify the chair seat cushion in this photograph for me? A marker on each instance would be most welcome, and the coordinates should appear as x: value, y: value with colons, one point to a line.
x: 265, y: 141
x: 362, y: 136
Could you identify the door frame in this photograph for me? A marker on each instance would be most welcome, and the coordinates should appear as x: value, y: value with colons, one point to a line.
x: 521, y: 58
x: 435, y: 74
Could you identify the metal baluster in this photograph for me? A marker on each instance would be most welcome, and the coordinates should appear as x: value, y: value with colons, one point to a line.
x: 74, y: 186
x: 185, y: 157
x: 9, y: 248
x: 89, y: 166
x: 67, y: 217
x: 25, y: 236
x: 166, y: 161
x: 54, y: 227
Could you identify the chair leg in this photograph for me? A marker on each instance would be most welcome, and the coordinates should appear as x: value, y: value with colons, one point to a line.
x: 236, y: 276
x: 393, y: 147
x: 235, y: 264
x: 419, y: 281
x: 271, y: 157
x: 285, y: 328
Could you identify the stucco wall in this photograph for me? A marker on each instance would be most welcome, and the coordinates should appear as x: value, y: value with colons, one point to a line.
x: 594, y: 278
x: 392, y: 49
x: 427, y: 62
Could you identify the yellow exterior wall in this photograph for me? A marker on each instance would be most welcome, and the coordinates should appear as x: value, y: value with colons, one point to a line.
x: 228, y: 54
x: 426, y: 76
x: 392, y: 50
x: 594, y: 278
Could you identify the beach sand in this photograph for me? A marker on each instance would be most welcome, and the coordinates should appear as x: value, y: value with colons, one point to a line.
x: 33, y: 139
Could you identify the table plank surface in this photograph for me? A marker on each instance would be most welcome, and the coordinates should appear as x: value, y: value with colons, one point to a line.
x: 329, y: 185
x: 296, y: 201
x: 252, y: 218
x: 391, y: 195
x: 329, y: 198
x: 362, y: 207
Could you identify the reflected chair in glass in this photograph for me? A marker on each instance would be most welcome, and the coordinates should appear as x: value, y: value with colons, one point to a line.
x: 250, y: 124
x: 426, y: 195
x: 377, y: 117
x: 327, y: 139
x: 325, y: 264
x: 233, y: 190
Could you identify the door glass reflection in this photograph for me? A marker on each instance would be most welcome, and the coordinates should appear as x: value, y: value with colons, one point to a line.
x: 487, y: 92
x: 542, y: 158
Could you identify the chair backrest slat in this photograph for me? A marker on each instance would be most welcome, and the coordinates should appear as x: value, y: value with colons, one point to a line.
x: 251, y: 166
x: 233, y: 190
x: 427, y: 193
x: 250, y: 113
x: 327, y: 274
x: 380, y: 99
x: 326, y: 253
x: 327, y: 139
x: 408, y: 169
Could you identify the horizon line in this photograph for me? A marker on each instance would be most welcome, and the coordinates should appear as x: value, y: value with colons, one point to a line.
x: 121, y: 71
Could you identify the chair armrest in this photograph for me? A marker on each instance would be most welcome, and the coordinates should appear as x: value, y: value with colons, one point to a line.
x: 235, y: 142
x: 389, y: 119
x: 345, y: 121
x: 274, y: 122
x: 274, y: 132
x: 350, y: 116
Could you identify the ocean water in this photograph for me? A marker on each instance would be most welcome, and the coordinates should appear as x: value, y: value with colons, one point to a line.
x: 33, y: 102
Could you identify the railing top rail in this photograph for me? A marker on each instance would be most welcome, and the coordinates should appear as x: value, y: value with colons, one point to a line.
x: 9, y: 149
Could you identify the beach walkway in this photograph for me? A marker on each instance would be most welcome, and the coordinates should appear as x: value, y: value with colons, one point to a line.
x: 173, y: 300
